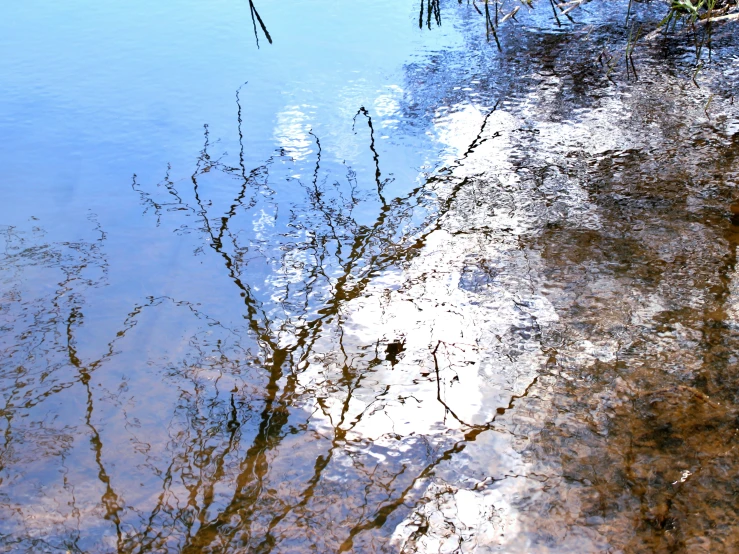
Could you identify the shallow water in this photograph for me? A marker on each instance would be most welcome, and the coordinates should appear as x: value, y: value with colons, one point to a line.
x: 371, y: 287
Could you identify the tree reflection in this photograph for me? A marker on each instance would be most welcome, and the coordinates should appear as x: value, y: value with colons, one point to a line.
x: 243, y: 448
x: 254, y: 18
x: 431, y: 9
x: 324, y: 256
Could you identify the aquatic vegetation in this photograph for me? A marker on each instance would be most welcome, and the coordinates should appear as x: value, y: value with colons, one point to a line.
x: 685, y: 13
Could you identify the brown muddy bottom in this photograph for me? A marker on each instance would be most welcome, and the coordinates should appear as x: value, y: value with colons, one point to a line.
x: 532, y: 349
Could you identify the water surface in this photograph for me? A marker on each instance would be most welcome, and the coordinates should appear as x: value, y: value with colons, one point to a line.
x: 371, y: 287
